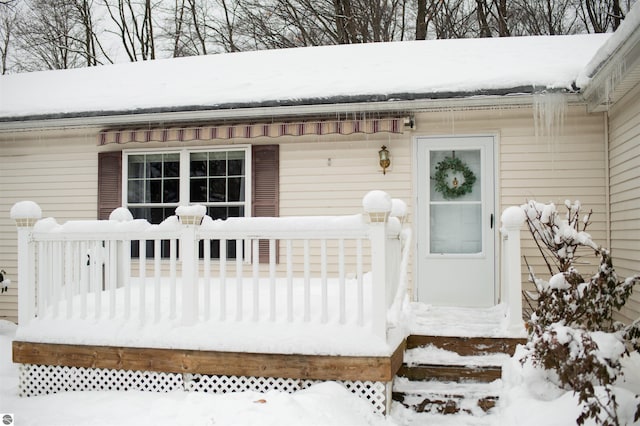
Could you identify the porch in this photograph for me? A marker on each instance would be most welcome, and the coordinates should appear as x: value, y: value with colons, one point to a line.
x: 196, y: 304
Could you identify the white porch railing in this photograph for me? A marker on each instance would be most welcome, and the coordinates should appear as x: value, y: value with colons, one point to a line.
x: 191, y: 269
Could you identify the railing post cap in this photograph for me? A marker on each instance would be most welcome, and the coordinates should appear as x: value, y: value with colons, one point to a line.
x: 513, y: 217
x: 378, y: 205
x: 191, y: 215
x: 121, y: 214
x: 25, y: 213
x: 398, y: 209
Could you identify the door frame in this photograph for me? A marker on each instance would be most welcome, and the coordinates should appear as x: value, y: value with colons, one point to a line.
x: 418, y: 230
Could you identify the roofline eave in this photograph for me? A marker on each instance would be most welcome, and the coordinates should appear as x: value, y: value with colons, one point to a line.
x: 611, y: 72
x: 395, y: 103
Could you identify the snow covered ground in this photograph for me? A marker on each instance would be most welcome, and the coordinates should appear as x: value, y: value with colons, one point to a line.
x: 526, y: 399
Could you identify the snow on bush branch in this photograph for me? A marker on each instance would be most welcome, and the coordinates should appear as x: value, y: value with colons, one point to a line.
x: 572, y: 332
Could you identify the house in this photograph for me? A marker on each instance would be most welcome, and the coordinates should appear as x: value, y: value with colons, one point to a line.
x: 304, y: 132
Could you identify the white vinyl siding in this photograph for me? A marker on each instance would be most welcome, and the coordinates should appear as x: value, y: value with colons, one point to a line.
x: 330, y: 178
x: 56, y: 170
x: 624, y: 162
x: 323, y: 175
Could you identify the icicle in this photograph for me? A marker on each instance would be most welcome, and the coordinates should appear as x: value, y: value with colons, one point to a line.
x: 549, y: 112
x: 613, y: 79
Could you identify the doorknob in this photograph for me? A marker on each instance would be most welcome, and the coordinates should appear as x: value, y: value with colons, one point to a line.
x: 491, y: 221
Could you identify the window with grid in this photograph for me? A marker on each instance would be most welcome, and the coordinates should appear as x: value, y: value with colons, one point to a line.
x: 157, y: 183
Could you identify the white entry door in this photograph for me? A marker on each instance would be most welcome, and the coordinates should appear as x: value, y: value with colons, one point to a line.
x: 455, y: 221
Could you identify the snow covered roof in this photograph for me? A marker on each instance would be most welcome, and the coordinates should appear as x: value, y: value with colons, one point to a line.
x: 615, y: 68
x: 378, y: 72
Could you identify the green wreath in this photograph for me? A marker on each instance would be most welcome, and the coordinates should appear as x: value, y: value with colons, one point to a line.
x: 442, y: 173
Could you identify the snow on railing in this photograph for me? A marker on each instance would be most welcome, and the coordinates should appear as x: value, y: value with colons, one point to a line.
x: 192, y: 269
x: 511, y: 283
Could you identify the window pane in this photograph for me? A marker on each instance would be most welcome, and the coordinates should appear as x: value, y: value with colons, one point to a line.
x: 154, y: 166
x: 199, y: 164
x: 236, y: 189
x: 217, y: 164
x: 217, y: 189
x: 136, y: 166
x: 160, y: 214
x: 224, y: 212
x: 236, y: 163
x: 171, y: 193
x: 236, y: 211
x: 154, y: 194
x: 135, y: 191
x: 198, y: 190
x: 218, y: 213
x: 154, y: 215
x: 171, y: 165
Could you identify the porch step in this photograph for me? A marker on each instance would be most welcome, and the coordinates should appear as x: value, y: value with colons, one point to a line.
x: 467, y: 345
x: 452, y: 374
x: 440, y: 397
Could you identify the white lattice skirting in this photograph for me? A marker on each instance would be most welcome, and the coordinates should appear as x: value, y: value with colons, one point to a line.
x: 47, y: 379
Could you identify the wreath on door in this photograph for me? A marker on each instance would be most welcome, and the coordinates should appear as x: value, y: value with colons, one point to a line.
x: 447, y: 183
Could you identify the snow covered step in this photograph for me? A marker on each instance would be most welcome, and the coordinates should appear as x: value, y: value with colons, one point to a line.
x: 434, y: 363
x: 467, y: 345
x: 434, y: 355
x: 450, y: 373
x: 446, y: 397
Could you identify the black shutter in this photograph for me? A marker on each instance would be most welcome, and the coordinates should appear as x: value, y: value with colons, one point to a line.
x: 109, y: 183
x: 266, y: 186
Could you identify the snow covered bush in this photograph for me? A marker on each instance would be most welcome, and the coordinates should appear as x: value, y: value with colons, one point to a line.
x: 572, y: 332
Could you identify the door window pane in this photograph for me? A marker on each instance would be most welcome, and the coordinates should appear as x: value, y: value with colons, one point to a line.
x: 455, y: 202
x: 446, y: 161
x: 456, y: 228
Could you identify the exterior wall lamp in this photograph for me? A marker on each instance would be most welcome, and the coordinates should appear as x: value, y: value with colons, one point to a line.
x: 385, y: 162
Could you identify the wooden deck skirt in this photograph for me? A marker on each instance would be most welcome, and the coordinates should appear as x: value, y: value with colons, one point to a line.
x: 309, y: 367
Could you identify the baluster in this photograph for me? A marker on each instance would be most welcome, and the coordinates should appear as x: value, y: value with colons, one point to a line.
x: 56, y: 275
x: 289, y: 281
x: 239, y: 301
x: 272, y: 279
x: 359, y: 272
x: 126, y: 260
x: 112, y: 276
x: 256, y: 279
x: 142, y: 274
x: 223, y: 280
x: 69, y: 251
x: 157, y: 275
x: 173, y: 256
x: 96, y: 274
x: 343, y: 296
x: 84, y: 278
x: 207, y: 278
x: 307, y: 283
x: 324, y: 296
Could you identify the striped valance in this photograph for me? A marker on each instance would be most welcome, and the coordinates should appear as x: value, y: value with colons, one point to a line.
x: 248, y: 131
